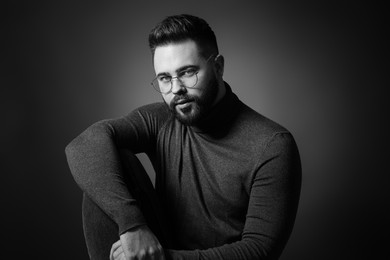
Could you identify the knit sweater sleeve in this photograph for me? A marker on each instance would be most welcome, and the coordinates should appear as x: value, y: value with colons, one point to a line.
x: 272, y: 207
x: 94, y: 162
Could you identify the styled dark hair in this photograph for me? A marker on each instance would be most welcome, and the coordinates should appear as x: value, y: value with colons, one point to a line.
x: 179, y: 28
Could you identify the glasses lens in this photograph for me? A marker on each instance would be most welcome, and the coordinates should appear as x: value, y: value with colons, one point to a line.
x: 165, y: 87
x: 190, y: 82
x: 161, y: 87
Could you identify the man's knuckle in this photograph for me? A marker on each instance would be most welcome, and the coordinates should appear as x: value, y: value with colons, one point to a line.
x: 152, y: 251
x: 132, y: 255
x: 142, y: 253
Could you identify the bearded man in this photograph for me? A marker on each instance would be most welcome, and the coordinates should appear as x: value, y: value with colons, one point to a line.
x: 227, y: 180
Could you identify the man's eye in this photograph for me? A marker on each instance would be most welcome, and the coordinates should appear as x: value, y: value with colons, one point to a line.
x: 164, y: 79
x: 189, y: 73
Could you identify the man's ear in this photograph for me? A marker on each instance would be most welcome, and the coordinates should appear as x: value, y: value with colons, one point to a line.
x: 219, y: 65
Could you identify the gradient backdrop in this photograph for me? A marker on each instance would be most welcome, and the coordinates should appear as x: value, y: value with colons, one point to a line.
x: 314, y: 68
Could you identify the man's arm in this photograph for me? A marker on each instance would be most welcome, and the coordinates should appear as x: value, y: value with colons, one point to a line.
x: 272, y: 207
x: 95, y: 164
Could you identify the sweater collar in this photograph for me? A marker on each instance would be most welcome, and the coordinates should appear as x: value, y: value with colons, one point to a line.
x: 220, y: 115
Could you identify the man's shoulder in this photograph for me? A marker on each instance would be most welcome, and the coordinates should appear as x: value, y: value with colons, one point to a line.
x: 261, y: 132
x: 153, y: 107
x: 157, y: 110
x: 259, y: 124
x: 153, y: 115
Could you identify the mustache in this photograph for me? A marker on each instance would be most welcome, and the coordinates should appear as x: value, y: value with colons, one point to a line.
x: 182, y: 99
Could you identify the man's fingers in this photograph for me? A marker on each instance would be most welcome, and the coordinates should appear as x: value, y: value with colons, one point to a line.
x: 156, y: 253
x: 117, y: 252
x: 121, y: 256
x: 161, y: 256
x: 113, y: 248
x: 152, y: 253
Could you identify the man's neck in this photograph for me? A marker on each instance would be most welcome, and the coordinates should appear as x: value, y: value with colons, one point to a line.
x: 223, y: 111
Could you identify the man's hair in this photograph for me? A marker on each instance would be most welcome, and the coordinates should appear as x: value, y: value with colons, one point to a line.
x: 179, y: 28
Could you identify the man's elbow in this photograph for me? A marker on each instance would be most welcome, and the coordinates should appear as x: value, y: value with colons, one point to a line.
x: 74, y: 146
x: 69, y: 150
x: 87, y: 140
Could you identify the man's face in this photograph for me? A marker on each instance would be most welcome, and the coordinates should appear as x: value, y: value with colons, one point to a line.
x: 189, y: 105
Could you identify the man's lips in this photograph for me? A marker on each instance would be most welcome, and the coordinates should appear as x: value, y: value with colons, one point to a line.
x: 183, y: 104
x: 182, y: 101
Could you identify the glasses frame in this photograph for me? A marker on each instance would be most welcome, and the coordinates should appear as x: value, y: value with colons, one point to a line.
x: 177, y: 78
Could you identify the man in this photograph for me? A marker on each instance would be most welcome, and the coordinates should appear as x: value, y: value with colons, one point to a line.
x: 227, y: 178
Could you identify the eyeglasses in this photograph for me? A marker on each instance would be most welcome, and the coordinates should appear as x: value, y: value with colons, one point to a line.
x: 187, y: 78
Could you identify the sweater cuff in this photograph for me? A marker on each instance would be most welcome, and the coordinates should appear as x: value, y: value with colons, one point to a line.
x: 181, y: 254
x: 132, y: 218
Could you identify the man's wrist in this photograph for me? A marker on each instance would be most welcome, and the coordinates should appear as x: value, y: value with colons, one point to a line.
x: 134, y: 228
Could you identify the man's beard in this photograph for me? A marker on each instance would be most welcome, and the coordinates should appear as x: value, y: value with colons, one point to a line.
x: 199, y: 106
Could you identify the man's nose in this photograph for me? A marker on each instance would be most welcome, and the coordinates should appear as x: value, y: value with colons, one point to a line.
x: 177, y: 86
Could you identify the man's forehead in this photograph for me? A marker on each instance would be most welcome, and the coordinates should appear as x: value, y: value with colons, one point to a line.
x: 174, y: 55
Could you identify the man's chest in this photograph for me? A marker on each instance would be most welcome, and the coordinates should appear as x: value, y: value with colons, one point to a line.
x: 216, y: 173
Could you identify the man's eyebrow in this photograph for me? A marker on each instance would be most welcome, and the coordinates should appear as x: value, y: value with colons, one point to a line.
x: 186, y: 67
x: 162, y: 74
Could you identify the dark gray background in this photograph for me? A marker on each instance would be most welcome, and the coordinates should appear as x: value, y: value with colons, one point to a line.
x: 315, y: 68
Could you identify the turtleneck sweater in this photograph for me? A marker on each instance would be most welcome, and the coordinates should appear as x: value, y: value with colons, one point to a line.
x: 229, y: 185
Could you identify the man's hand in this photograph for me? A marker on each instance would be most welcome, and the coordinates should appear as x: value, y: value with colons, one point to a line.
x: 139, y: 243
